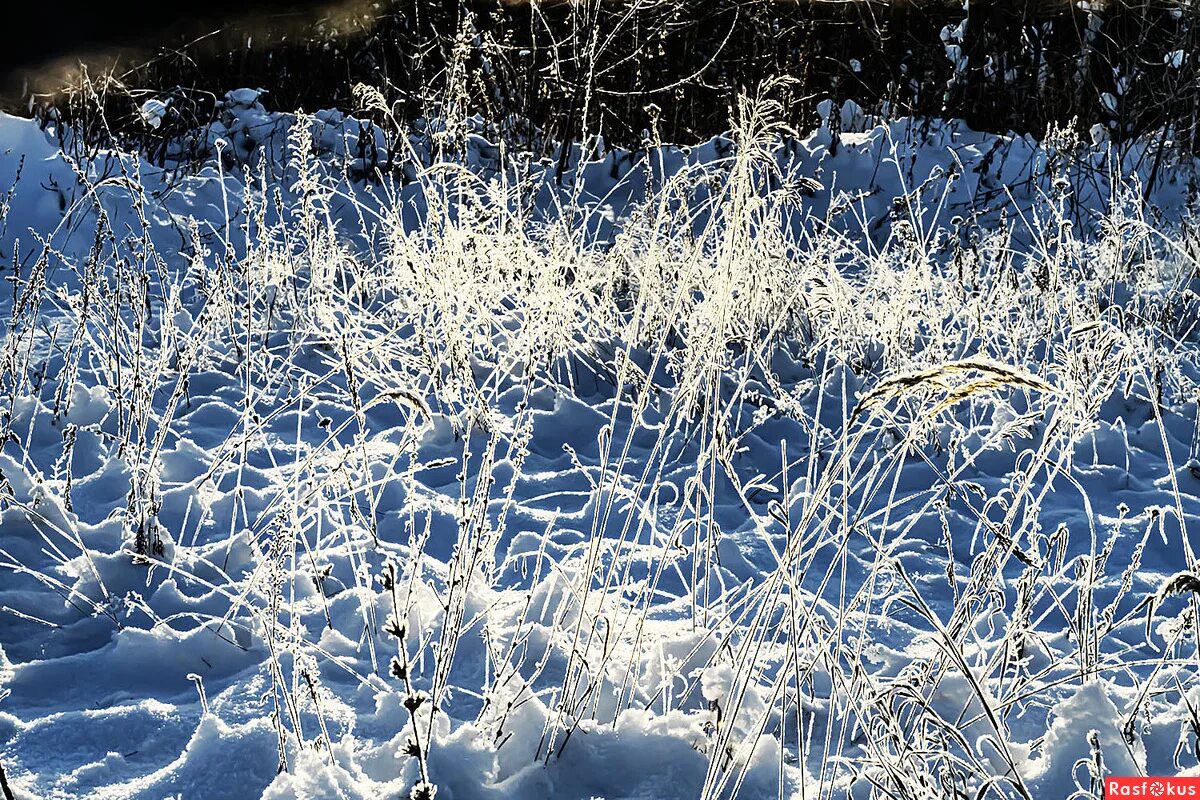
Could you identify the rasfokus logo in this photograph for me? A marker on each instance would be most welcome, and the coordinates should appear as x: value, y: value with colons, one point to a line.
x: 1151, y: 787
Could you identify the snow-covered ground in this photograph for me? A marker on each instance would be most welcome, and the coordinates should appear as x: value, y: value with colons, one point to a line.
x: 854, y: 465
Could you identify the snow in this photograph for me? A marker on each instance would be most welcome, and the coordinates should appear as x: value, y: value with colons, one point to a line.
x: 1089, y: 709
x: 153, y: 111
x: 562, y: 519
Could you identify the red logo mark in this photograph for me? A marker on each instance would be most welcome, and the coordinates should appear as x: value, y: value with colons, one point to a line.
x: 1152, y: 788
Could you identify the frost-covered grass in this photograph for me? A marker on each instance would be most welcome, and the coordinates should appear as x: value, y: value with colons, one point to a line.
x: 476, y: 489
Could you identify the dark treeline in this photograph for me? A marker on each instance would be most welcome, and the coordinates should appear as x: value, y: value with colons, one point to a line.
x: 623, y: 67
x: 35, y: 35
